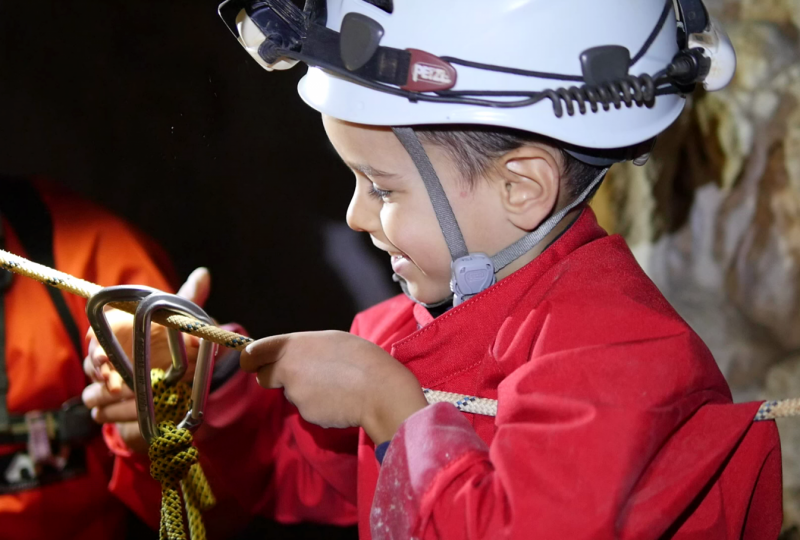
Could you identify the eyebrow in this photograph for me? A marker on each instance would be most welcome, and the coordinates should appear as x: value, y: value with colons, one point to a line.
x: 368, y: 170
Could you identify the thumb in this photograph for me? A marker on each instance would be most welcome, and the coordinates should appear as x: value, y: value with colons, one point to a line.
x: 197, y: 286
x: 262, y: 352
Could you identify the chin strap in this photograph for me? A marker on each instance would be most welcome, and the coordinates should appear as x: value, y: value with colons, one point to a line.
x: 472, y: 273
x: 444, y: 212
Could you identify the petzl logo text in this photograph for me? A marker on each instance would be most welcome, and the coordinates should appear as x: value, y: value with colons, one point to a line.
x: 430, y: 73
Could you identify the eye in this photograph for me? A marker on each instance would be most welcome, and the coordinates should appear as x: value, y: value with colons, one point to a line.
x: 378, y: 193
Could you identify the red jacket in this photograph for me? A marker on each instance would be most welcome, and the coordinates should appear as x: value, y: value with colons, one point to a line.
x: 614, y: 421
x: 44, y: 370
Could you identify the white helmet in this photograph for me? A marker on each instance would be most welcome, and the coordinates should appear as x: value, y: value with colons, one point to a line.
x: 537, y: 35
x: 616, y: 48
x: 604, y: 77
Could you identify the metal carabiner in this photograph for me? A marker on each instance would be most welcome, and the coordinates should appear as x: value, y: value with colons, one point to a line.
x: 105, y: 336
x: 141, y: 353
x: 102, y: 330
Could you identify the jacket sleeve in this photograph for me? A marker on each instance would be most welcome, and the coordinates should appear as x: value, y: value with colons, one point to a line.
x: 262, y: 454
x: 261, y: 459
x: 258, y: 450
x: 580, y: 457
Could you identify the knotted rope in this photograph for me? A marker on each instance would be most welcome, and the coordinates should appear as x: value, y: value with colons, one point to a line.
x: 488, y: 407
x: 173, y: 463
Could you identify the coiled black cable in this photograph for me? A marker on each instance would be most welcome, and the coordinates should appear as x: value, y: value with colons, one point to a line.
x: 632, y: 90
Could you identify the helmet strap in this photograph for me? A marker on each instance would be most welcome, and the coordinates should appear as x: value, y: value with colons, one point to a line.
x: 472, y: 273
x: 444, y: 212
x: 533, y: 238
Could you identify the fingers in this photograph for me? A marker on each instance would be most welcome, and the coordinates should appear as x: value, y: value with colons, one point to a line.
x: 267, y: 377
x: 263, y: 352
x: 91, y: 371
x: 98, y: 395
x: 108, y: 406
x: 114, y: 381
x: 130, y: 434
x: 197, y: 286
x: 97, y: 366
x: 124, y: 411
x: 90, y: 336
x: 97, y: 354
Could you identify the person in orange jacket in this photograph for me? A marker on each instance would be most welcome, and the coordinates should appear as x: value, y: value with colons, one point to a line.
x: 54, y: 466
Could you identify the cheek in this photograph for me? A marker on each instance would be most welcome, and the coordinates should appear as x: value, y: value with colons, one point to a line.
x: 399, y: 226
x: 417, y: 235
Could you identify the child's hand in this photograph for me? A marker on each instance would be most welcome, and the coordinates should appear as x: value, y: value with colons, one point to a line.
x: 338, y: 380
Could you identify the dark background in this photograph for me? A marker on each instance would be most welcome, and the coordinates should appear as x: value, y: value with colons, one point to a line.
x: 152, y: 109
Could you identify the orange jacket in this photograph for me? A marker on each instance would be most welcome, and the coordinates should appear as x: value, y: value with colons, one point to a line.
x: 44, y: 372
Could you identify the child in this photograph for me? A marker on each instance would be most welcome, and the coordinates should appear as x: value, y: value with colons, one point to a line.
x: 613, y: 419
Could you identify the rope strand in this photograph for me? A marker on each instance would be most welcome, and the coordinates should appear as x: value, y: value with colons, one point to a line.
x: 173, y: 463
x: 488, y: 407
x: 85, y: 289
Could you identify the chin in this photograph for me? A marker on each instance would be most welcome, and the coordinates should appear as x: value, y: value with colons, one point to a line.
x: 428, y: 294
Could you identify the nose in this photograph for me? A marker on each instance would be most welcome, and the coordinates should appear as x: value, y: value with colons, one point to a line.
x: 363, y: 211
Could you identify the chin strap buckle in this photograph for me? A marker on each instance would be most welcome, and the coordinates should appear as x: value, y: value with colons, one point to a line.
x: 470, y: 275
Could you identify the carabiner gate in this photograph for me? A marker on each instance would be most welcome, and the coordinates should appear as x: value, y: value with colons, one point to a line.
x: 141, y: 353
x: 137, y: 376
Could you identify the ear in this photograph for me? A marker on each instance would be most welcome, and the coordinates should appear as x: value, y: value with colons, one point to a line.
x: 529, y: 181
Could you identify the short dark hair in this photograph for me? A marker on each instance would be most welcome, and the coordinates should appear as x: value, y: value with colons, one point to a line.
x: 475, y: 147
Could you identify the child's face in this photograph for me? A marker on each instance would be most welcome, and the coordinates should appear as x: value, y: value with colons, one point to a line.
x: 391, y: 203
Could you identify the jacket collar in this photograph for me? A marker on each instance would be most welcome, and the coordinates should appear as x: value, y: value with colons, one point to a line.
x: 458, y: 339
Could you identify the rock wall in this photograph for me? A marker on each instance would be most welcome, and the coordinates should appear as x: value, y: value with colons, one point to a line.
x: 714, y: 217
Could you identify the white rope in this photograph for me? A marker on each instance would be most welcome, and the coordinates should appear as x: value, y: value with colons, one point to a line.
x: 769, y: 410
x: 467, y: 404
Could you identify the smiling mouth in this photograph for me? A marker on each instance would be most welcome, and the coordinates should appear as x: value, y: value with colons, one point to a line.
x: 399, y: 262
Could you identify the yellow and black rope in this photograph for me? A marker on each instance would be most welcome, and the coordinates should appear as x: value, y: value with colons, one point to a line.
x: 174, y: 463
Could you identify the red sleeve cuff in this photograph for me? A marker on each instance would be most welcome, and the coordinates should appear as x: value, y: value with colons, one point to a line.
x: 428, y: 443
